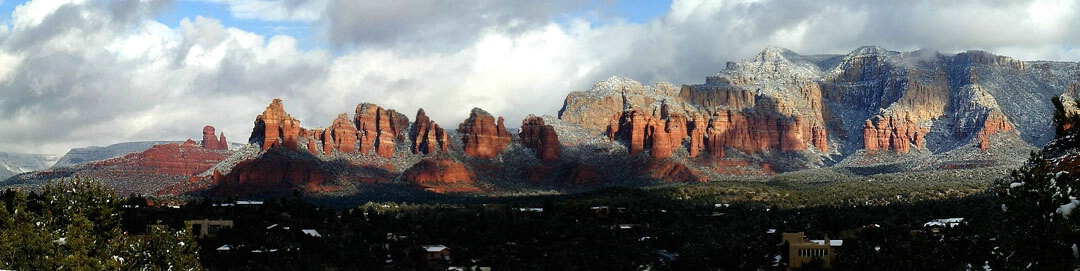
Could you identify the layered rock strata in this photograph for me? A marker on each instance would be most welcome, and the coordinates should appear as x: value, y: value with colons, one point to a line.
x: 483, y: 136
x: 540, y: 137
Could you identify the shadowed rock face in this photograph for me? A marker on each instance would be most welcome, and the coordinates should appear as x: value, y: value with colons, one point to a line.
x: 483, y: 136
x: 441, y: 175
x: 542, y: 138
x: 427, y: 136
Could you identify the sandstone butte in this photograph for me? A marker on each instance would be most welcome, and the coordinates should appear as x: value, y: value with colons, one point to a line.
x: 372, y: 130
x: 211, y: 142
x: 482, y: 136
x: 427, y: 136
x: 379, y: 129
x: 158, y: 166
x: 275, y: 128
x: 542, y: 138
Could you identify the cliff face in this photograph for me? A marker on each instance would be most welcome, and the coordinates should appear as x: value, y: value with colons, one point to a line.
x: 541, y: 138
x: 826, y: 108
x: 427, y: 136
x: 276, y: 128
x: 379, y: 129
x: 483, y: 136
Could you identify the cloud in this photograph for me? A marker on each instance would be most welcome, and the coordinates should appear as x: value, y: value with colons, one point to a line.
x: 95, y: 72
x: 434, y: 24
x: 103, y: 72
x: 274, y: 10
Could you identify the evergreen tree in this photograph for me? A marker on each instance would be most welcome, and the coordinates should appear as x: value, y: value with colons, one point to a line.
x: 1040, y: 200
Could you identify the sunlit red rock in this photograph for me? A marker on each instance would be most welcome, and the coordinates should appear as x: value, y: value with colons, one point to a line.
x: 276, y: 128
x: 483, y: 136
x: 379, y: 129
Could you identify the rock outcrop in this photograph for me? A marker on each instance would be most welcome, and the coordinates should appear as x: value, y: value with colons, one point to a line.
x: 379, y: 129
x: 340, y: 136
x: 276, y: 128
x: 275, y: 173
x: 542, y: 138
x: 442, y: 175
x: 427, y: 136
x: 210, y: 141
x: 483, y: 136
x: 888, y: 133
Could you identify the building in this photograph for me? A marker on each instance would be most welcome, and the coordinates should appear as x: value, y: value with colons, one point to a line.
x: 802, y: 251
x: 437, y: 253
x: 207, y: 228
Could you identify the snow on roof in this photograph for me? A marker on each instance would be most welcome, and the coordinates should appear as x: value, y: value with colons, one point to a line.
x: 312, y: 232
x: 832, y: 243
x: 249, y: 202
x: 1067, y: 209
x: 944, y: 222
x: 435, y: 248
x: 224, y: 248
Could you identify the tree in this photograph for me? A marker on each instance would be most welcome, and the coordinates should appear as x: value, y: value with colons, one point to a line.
x: 75, y: 225
x: 1039, y: 200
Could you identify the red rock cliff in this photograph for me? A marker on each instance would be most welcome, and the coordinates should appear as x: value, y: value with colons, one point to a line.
x: 379, y: 129
x: 482, y: 136
x: 276, y: 128
x: 536, y: 135
x: 427, y: 136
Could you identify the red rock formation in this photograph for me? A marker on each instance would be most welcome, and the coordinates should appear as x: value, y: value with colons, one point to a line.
x: 536, y: 135
x: 697, y: 129
x: 273, y: 173
x: 427, y: 136
x: 757, y: 132
x: 157, y: 167
x: 379, y: 129
x: 674, y: 172
x: 276, y: 128
x: 222, y: 143
x: 888, y: 133
x: 995, y: 123
x: 581, y: 174
x: 340, y: 136
x: 659, y: 139
x: 431, y: 171
x: 210, y: 140
x: 441, y: 175
x: 482, y: 136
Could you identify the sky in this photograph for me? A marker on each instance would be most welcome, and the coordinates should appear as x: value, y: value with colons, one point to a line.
x: 78, y: 73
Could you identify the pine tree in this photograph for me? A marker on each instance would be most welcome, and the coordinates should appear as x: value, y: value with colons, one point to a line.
x: 1040, y: 200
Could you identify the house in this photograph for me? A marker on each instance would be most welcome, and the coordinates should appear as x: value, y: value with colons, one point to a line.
x: 436, y: 253
x: 802, y: 251
x: 937, y: 225
x: 207, y: 228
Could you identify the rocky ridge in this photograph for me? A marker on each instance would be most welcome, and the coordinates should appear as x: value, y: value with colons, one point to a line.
x: 868, y: 110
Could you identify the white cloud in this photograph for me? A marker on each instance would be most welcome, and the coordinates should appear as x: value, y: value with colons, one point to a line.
x: 275, y: 10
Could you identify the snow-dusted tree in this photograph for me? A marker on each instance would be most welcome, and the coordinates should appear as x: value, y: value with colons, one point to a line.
x: 1041, y: 200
